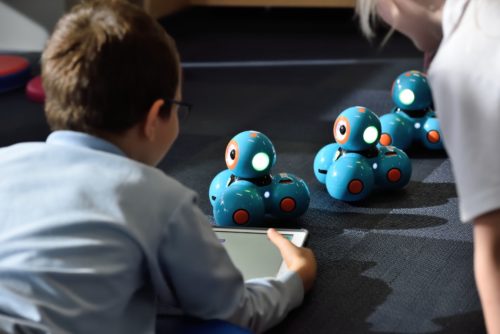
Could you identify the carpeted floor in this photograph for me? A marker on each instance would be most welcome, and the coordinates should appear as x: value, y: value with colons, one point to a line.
x: 397, y: 262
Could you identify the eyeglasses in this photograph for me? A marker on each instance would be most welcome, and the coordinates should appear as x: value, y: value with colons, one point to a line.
x: 183, y: 108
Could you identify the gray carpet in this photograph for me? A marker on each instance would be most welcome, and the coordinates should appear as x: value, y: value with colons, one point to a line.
x: 398, y: 262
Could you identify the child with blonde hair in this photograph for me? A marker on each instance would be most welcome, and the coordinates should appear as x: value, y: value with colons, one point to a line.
x: 464, y: 37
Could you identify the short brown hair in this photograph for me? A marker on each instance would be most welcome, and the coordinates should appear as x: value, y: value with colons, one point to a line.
x: 105, y: 65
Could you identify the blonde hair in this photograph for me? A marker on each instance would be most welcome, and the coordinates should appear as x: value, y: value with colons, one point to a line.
x: 365, y: 11
x: 368, y: 19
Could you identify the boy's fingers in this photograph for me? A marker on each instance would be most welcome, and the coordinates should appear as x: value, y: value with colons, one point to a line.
x: 280, y: 241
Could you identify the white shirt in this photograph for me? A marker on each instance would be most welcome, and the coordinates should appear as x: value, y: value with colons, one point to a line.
x: 90, y: 241
x: 465, y: 81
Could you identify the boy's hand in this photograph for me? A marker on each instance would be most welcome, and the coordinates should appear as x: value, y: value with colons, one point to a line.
x: 298, y: 259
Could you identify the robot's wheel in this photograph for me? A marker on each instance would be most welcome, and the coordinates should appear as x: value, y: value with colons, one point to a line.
x: 241, y: 216
x: 385, y: 139
x: 287, y: 204
x: 394, y: 175
x: 433, y: 136
x: 355, y: 186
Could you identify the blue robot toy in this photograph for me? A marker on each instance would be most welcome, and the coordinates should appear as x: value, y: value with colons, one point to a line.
x: 413, y: 117
x: 353, y: 165
x: 245, y: 192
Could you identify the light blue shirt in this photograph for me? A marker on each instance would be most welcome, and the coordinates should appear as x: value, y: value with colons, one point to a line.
x: 92, y: 242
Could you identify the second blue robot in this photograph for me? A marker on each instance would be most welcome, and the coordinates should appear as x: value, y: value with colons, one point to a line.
x: 353, y: 165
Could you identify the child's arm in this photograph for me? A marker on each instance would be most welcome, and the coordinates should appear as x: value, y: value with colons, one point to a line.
x: 487, y: 267
x: 207, y: 285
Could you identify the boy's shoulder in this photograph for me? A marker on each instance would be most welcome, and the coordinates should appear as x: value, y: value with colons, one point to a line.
x: 78, y: 177
x: 86, y: 165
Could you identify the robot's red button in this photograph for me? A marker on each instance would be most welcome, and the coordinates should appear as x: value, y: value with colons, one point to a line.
x: 241, y: 216
x: 385, y: 139
x: 34, y: 90
x: 433, y: 136
x: 355, y: 187
x: 287, y: 204
x: 394, y: 175
x: 12, y: 64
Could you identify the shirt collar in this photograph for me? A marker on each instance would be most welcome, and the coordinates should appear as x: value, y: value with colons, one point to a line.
x: 73, y: 138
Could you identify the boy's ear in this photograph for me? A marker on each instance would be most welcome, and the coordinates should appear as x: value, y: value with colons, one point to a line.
x: 150, y: 125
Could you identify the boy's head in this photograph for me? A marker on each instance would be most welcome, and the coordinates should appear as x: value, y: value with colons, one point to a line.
x: 105, y: 65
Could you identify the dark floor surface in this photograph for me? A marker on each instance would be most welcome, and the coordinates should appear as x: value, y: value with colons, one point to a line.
x: 397, y: 262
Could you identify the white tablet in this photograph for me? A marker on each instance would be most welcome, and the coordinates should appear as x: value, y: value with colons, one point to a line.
x: 253, y: 253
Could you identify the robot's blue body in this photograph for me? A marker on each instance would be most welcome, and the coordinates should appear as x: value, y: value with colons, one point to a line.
x: 245, y: 192
x: 413, y: 118
x: 354, y: 165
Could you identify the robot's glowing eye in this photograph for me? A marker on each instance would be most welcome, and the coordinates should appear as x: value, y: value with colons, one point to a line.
x: 406, y: 96
x: 232, y: 154
x: 260, y: 161
x: 370, y: 135
x: 341, y: 130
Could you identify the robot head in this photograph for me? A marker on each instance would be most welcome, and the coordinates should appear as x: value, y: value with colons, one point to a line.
x: 250, y: 154
x: 357, y: 129
x: 411, y: 91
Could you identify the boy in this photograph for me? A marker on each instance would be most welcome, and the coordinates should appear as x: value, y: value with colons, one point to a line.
x: 464, y: 36
x: 91, y: 234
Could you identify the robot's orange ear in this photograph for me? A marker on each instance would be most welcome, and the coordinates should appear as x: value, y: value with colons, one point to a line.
x: 341, y: 130
x: 232, y: 154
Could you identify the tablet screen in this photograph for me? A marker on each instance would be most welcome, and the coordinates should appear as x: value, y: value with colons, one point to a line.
x: 253, y: 253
